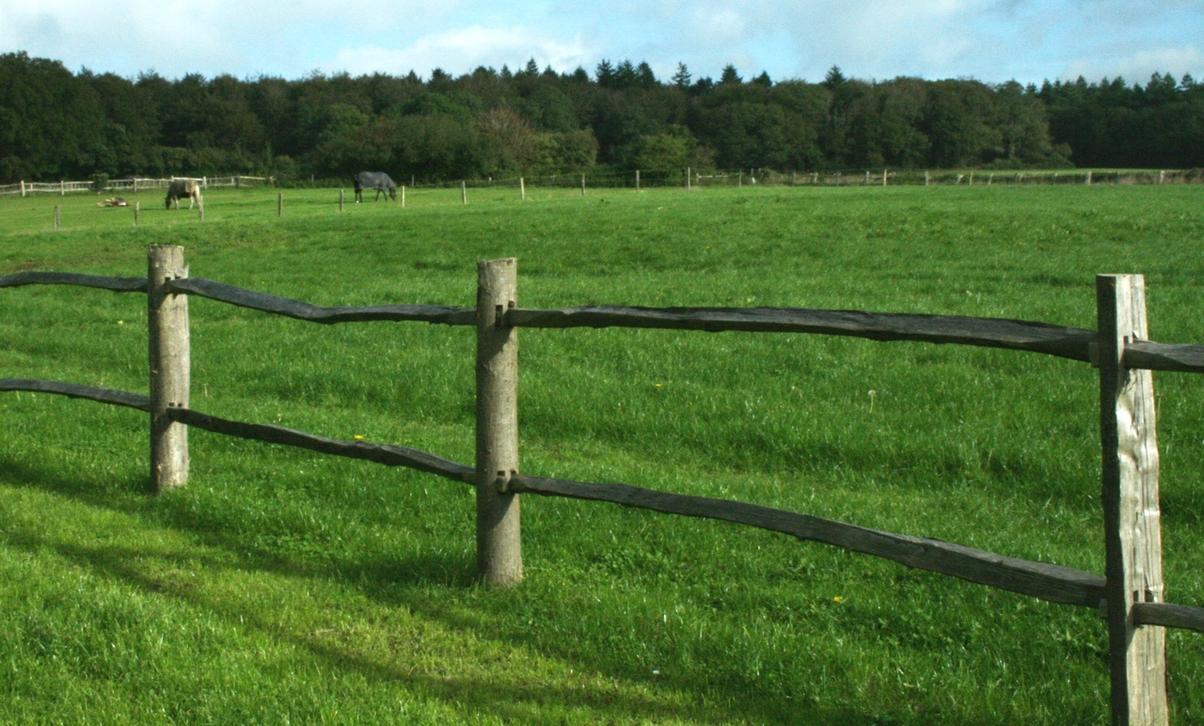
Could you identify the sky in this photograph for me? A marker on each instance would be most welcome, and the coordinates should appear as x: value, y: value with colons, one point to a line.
x: 990, y: 40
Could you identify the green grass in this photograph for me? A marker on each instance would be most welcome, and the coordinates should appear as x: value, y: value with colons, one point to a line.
x: 285, y: 586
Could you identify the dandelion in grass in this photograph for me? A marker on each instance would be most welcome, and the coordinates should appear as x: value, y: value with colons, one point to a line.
x: 838, y: 599
x: 358, y: 437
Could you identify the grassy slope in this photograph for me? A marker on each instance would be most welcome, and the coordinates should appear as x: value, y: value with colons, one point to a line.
x: 282, y: 585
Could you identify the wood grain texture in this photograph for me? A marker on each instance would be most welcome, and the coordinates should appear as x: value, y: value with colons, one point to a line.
x: 1169, y: 616
x: 313, y: 313
x: 115, y: 284
x: 1046, y: 582
x: 73, y: 390
x: 1054, y: 340
x: 169, y: 348
x: 1132, y: 519
x: 1144, y: 354
x: 380, y: 453
x: 499, y: 525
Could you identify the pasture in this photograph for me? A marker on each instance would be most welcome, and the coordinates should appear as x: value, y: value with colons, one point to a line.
x: 284, y: 586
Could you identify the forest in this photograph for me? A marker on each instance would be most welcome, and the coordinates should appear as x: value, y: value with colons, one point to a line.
x: 56, y: 123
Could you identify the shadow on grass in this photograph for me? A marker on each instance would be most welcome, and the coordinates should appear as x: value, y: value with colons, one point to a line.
x: 396, y: 581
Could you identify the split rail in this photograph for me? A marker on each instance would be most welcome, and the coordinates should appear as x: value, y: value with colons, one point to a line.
x: 1129, y: 596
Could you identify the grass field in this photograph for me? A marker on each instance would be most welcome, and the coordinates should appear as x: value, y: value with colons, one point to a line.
x: 281, y: 586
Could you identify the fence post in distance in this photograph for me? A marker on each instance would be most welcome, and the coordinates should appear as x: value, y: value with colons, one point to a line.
x: 1132, y: 527
x: 170, y: 357
x: 499, y: 534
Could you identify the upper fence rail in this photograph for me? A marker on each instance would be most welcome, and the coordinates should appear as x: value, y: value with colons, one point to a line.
x: 1038, y: 337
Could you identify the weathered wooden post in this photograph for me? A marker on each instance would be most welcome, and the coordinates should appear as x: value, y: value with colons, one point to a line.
x: 22, y: 188
x: 137, y: 209
x: 815, y: 177
x: 927, y: 178
x: 1132, y: 521
x: 583, y: 185
x: 884, y: 177
x: 464, y: 192
x: 62, y: 188
x: 522, y: 189
x: 740, y: 179
x: 1088, y: 180
x: 689, y: 174
x: 637, y: 180
x: 499, y: 534
x: 403, y: 196
x: 58, y: 217
x: 167, y: 316
x: 280, y: 203
x: 1162, y: 176
x: 135, y: 185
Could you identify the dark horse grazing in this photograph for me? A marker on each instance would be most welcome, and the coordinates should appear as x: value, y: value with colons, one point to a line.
x: 182, y: 188
x: 377, y: 180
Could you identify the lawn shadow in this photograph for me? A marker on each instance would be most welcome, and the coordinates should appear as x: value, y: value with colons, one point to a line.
x: 398, y: 581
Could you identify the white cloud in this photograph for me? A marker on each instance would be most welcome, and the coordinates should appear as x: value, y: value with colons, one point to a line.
x: 1139, y: 66
x: 462, y: 49
x: 990, y: 39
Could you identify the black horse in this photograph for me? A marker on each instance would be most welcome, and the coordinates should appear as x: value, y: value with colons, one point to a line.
x: 377, y: 180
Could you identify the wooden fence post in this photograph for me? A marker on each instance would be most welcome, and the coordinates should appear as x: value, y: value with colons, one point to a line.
x: 689, y: 173
x: 884, y: 177
x: 403, y: 196
x: 280, y: 203
x: 167, y: 315
x: 637, y: 180
x: 499, y: 534
x: 464, y: 192
x: 137, y: 209
x: 522, y: 189
x: 1132, y: 528
x: 62, y: 188
x: 583, y: 185
x: 22, y: 188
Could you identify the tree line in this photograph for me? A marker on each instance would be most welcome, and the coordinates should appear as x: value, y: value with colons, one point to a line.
x: 498, y: 123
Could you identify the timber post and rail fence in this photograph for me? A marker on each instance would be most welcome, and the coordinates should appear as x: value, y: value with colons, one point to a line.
x: 689, y: 178
x: 1129, y: 596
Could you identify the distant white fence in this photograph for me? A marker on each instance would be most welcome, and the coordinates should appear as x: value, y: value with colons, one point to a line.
x: 133, y: 184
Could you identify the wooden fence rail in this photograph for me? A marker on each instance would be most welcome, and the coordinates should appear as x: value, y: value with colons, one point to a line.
x: 1129, y: 596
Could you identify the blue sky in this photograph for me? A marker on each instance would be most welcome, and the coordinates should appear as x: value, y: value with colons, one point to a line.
x: 991, y: 40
